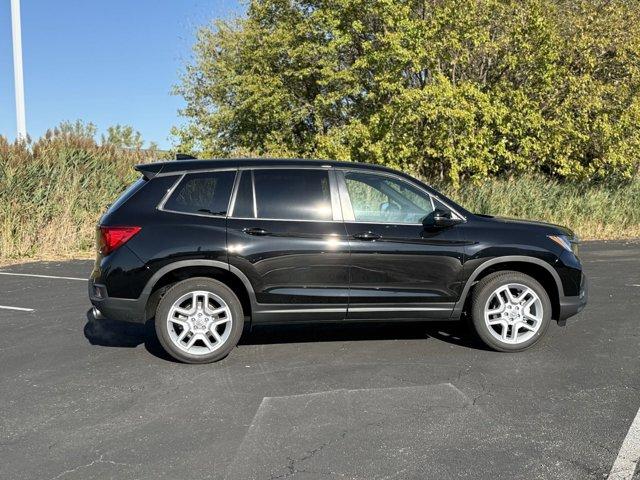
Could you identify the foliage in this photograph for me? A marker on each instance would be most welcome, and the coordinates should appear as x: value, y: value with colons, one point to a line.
x: 53, y: 190
x: 447, y: 89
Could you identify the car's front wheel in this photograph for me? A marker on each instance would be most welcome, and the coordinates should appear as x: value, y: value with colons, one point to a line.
x: 199, y: 320
x: 511, y: 311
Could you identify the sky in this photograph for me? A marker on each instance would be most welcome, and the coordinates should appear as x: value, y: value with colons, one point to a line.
x: 107, y: 62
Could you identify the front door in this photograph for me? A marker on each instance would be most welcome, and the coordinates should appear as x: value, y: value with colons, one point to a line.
x: 286, y: 235
x: 399, y: 268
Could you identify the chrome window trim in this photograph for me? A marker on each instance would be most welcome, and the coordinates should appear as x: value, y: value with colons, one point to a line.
x: 170, y: 191
x: 206, y: 215
x: 345, y: 211
x: 286, y: 220
x: 234, y: 193
x: 352, y: 219
x: 385, y: 223
x: 253, y: 191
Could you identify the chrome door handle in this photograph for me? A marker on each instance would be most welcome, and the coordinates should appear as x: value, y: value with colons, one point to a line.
x: 367, y: 236
x: 255, y: 231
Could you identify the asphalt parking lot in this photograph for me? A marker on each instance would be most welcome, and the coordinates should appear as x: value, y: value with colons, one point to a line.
x: 88, y: 399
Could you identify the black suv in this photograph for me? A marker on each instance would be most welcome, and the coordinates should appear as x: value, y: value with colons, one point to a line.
x: 205, y: 246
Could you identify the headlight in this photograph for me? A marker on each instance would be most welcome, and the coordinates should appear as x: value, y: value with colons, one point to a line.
x: 570, y: 244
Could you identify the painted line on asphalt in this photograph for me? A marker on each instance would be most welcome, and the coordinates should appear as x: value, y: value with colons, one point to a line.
x: 629, y: 454
x: 20, y: 309
x: 42, y: 276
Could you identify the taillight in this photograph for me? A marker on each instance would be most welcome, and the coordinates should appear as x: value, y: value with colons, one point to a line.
x: 114, y: 237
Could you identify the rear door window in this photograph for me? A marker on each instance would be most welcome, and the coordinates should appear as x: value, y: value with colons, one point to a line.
x: 202, y: 193
x: 290, y: 194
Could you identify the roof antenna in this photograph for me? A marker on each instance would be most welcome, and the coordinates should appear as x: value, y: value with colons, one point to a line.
x: 185, y: 156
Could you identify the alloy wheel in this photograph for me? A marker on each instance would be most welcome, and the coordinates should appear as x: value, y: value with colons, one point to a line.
x: 199, y: 322
x: 513, y: 313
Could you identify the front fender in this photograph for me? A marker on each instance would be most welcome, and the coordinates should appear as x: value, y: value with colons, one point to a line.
x: 477, y: 271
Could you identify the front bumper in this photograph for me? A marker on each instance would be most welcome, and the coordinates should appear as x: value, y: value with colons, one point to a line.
x: 123, y: 309
x: 570, y: 306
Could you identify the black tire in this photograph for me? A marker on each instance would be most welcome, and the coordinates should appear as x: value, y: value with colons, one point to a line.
x: 481, y: 294
x: 183, y: 288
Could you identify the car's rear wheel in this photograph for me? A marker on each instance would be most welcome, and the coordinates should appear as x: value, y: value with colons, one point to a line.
x: 199, y: 320
x: 511, y: 311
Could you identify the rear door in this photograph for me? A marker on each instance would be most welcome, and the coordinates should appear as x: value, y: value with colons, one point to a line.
x: 399, y: 268
x: 287, y: 236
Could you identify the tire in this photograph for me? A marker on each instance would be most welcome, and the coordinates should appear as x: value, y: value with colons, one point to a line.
x: 202, y: 308
x: 525, y: 320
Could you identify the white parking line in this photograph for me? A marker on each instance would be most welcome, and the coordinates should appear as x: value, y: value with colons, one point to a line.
x: 42, y: 276
x: 20, y: 309
x: 629, y: 454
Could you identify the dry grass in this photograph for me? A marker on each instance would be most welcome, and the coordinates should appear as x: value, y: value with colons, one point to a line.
x: 53, y: 193
x: 594, y: 211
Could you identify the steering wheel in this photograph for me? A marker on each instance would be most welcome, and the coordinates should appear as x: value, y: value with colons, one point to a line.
x: 388, y: 209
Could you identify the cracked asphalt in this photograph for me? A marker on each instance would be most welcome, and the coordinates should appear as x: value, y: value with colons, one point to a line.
x: 88, y: 399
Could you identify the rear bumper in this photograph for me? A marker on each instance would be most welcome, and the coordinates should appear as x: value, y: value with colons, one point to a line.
x: 123, y: 309
x: 570, y: 306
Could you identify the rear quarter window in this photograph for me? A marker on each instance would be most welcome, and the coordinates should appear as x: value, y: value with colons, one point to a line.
x: 202, y: 193
x: 127, y: 194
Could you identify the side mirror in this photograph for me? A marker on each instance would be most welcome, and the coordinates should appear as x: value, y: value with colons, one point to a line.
x: 439, y: 219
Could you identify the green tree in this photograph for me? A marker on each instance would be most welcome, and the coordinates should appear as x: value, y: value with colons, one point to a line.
x: 444, y: 88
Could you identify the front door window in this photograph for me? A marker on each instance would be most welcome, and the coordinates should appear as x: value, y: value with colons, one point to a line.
x: 383, y: 199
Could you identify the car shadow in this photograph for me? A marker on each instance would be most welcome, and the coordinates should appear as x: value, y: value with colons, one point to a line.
x: 112, y: 333
x: 457, y: 333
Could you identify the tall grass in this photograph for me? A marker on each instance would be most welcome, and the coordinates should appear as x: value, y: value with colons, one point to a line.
x: 594, y: 211
x: 53, y: 192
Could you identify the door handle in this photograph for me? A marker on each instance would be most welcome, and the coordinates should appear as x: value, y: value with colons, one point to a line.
x: 367, y: 236
x: 255, y: 231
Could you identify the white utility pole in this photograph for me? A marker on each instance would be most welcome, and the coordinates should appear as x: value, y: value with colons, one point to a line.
x: 17, y: 69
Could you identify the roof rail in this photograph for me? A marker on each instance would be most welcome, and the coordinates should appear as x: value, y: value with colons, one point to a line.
x: 185, y: 156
